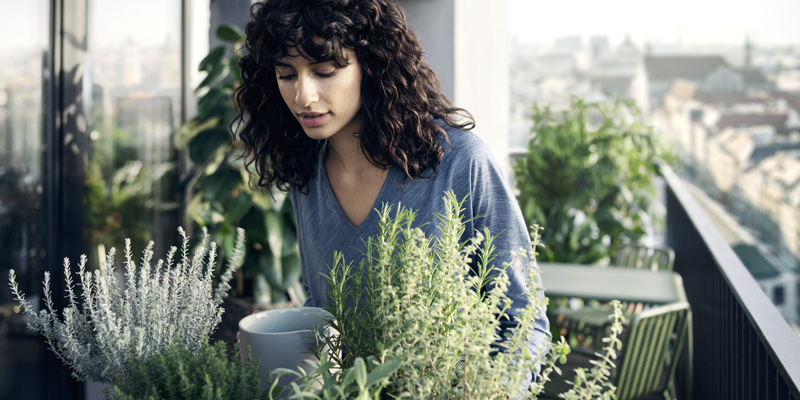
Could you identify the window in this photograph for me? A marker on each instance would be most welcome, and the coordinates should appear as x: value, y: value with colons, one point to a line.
x: 23, y: 49
x: 135, y: 81
x: 778, y: 295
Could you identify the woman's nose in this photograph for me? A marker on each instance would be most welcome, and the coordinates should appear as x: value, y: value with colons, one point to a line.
x: 306, y: 92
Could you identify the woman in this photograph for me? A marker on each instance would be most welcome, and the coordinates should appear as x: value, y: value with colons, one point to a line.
x: 339, y: 108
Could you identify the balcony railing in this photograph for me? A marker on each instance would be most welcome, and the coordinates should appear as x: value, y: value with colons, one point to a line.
x: 743, y: 347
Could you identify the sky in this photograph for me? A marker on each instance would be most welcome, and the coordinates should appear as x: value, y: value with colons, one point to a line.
x: 533, y: 21
x: 689, y: 21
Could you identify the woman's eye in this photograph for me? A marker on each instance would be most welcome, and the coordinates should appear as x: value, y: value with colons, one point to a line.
x: 326, y: 74
x: 285, y: 77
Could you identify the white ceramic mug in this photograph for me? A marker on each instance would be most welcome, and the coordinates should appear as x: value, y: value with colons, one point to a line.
x: 282, y: 338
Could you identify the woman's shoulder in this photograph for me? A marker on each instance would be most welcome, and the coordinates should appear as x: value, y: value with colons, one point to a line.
x: 464, y: 147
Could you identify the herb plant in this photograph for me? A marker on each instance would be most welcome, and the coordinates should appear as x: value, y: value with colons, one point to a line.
x: 139, y: 314
x: 178, y: 373
x: 412, y: 299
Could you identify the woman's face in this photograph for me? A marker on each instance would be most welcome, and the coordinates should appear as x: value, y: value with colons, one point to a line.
x: 325, y: 98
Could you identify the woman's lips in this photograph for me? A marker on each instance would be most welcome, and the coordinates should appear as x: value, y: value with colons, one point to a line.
x: 312, y: 120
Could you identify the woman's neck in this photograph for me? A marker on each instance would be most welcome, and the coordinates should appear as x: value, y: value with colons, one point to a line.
x: 345, y: 156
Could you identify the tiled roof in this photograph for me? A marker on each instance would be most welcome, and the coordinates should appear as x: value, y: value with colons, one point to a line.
x: 766, y: 151
x: 752, y: 76
x: 744, y: 120
x: 687, y: 67
x: 793, y: 99
x: 741, y: 146
x: 682, y: 89
x: 614, y: 84
x: 727, y: 98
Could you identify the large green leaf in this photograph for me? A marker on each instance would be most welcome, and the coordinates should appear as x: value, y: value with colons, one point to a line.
x: 262, y: 292
x: 208, y: 142
x: 212, y: 60
x: 216, y: 102
x: 230, y: 33
x: 216, y: 75
x: 189, y: 130
x: 291, y: 270
x: 237, y: 207
x: 236, y: 72
x: 253, y: 224
x: 262, y: 200
x: 272, y: 269
x: 219, y: 186
x: 383, y: 371
x: 289, y: 243
x: 274, y: 225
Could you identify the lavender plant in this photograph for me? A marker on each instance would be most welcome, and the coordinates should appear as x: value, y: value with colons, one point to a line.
x: 140, y: 315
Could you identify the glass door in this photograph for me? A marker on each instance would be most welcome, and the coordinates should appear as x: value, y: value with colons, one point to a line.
x: 24, y: 55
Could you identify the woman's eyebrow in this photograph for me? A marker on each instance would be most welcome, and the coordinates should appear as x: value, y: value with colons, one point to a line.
x: 283, y: 64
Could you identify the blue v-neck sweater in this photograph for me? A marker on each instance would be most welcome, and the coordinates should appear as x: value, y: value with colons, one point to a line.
x: 467, y: 168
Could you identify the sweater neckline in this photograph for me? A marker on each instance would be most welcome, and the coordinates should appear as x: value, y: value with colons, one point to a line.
x: 376, y: 206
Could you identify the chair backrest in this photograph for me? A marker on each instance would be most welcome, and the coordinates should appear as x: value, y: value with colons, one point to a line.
x: 645, y: 257
x: 651, y: 350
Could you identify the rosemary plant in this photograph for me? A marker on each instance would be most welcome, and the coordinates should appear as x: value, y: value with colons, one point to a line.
x: 413, y: 298
x: 141, y: 315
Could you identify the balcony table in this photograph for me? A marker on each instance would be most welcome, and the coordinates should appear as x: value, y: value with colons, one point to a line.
x: 610, y: 283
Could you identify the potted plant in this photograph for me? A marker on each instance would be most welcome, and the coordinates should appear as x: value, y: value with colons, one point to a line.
x: 411, y: 306
x: 588, y: 179
x: 178, y: 373
x: 146, y: 332
x: 140, y: 313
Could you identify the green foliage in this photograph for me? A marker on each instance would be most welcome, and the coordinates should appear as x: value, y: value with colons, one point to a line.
x: 588, y: 179
x: 221, y: 194
x: 178, y: 373
x: 140, y: 312
x: 412, y: 300
x: 121, y: 192
x: 362, y: 381
x: 594, y: 384
x: 115, y: 212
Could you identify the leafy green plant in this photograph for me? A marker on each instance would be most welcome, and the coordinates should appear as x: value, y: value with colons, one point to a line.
x: 178, y: 373
x: 115, y: 212
x: 140, y: 313
x: 588, y: 179
x: 411, y: 299
x: 221, y: 194
x: 362, y: 381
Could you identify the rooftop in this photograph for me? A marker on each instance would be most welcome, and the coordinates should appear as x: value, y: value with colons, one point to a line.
x: 687, y: 67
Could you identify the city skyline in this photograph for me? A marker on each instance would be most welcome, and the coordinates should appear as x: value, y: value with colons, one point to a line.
x: 767, y: 22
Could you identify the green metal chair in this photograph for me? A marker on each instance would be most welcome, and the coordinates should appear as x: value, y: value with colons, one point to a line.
x: 652, y: 346
x: 586, y: 325
x: 655, y: 258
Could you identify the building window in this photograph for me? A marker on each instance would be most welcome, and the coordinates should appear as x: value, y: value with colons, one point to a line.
x: 778, y: 295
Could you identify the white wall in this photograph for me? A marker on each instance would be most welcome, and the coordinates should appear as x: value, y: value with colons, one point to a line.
x: 466, y: 43
x: 432, y: 21
x: 482, y: 76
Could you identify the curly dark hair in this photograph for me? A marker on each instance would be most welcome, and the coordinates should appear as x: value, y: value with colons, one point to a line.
x: 403, y: 108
